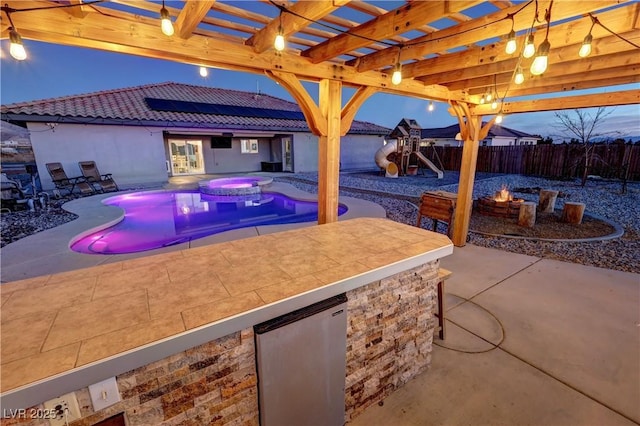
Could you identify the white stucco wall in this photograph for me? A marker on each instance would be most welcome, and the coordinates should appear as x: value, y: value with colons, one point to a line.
x: 305, y: 152
x: 218, y: 160
x: 134, y: 155
x: 137, y: 156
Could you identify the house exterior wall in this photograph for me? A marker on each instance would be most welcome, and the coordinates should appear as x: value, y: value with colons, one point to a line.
x: 305, y: 152
x: 134, y: 155
x: 137, y: 156
x: 218, y: 160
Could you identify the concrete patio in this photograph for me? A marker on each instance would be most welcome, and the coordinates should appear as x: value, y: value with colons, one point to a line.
x: 530, y: 342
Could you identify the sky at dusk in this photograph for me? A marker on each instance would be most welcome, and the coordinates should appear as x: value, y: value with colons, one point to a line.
x: 53, y: 71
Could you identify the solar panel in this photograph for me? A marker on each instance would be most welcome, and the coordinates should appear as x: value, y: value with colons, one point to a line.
x: 171, y: 105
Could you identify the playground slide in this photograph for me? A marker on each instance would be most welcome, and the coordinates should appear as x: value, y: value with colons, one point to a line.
x: 429, y: 164
x: 391, y: 170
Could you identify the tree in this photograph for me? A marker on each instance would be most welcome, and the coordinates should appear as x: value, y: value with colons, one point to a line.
x: 584, y: 128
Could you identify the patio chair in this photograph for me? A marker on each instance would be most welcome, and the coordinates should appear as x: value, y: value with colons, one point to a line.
x: 11, y: 194
x: 65, y: 183
x: 102, y: 183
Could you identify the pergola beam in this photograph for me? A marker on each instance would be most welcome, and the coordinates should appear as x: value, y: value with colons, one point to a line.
x: 620, y: 20
x: 191, y: 15
x: 301, y: 15
x: 405, y: 18
x: 471, y: 32
x: 608, y: 47
x: 140, y: 38
x: 625, y: 97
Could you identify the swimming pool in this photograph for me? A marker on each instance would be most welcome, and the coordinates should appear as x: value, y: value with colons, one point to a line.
x: 155, y: 219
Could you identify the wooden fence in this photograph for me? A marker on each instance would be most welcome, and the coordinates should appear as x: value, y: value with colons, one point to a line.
x: 561, y: 161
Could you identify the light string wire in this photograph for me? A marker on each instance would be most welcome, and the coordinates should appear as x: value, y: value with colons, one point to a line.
x: 596, y: 21
x: 8, y: 9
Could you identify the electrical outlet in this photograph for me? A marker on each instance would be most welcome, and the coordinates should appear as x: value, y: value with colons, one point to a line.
x: 66, y: 408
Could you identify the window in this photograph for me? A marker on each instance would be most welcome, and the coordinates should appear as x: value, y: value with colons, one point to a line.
x: 249, y: 146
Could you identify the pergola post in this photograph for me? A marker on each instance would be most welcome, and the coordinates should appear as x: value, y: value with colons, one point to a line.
x: 465, y: 188
x: 471, y: 131
x: 329, y: 151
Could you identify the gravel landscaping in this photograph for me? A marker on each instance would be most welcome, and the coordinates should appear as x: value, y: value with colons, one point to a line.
x: 399, y: 197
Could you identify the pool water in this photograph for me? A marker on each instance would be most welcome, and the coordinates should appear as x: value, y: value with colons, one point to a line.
x: 156, y: 219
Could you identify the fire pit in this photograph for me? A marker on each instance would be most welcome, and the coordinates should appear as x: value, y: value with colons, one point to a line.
x: 501, y: 204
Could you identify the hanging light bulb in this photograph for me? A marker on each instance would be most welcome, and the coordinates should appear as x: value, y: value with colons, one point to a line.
x: 499, y: 118
x: 519, y: 77
x: 585, y: 49
x: 396, y: 78
x: 482, y: 99
x: 17, y: 48
x: 489, y: 96
x: 511, y: 43
x: 279, y: 41
x: 204, y: 72
x: 431, y: 107
x: 541, y: 61
x: 165, y: 21
x: 511, y: 39
x: 529, y: 47
x: 494, y: 104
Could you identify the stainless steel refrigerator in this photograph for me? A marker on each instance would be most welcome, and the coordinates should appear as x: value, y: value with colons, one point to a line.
x: 301, y: 358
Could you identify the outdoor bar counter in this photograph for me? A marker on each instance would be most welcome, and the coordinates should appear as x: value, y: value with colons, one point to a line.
x: 176, y: 329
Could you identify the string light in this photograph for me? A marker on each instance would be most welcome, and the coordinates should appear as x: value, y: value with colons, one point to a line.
x: 396, y: 78
x: 494, y: 104
x: 165, y: 21
x: 585, y: 49
x: 17, y: 48
x: 529, y: 47
x: 204, y: 72
x: 431, y: 107
x: 541, y: 60
x: 511, y: 39
x: 499, y: 117
x: 279, y: 43
x: 519, y: 78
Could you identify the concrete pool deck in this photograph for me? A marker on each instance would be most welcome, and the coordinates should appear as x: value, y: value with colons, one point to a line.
x: 48, y: 252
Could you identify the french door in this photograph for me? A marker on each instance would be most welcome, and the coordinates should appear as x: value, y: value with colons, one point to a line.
x: 186, y: 157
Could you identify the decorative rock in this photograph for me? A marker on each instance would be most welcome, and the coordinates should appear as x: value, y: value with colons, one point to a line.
x: 572, y: 212
x: 527, y: 216
x: 547, y: 201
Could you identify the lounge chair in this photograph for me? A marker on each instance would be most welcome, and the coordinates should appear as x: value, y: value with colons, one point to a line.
x: 65, y: 183
x: 102, y: 183
x: 11, y: 194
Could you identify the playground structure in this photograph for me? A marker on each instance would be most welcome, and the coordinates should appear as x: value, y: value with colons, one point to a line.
x: 402, y: 156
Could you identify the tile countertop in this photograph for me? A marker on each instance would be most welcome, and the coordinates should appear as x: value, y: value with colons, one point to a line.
x: 65, y: 331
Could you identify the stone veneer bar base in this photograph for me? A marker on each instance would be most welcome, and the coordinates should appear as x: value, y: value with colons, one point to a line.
x: 389, y: 338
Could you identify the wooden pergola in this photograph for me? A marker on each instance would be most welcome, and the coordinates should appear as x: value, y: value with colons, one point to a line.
x: 450, y: 51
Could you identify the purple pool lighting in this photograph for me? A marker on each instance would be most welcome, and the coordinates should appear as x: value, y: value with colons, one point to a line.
x: 156, y: 219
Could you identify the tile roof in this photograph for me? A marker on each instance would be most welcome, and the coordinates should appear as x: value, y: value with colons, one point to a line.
x: 451, y: 131
x: 127, y: 106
